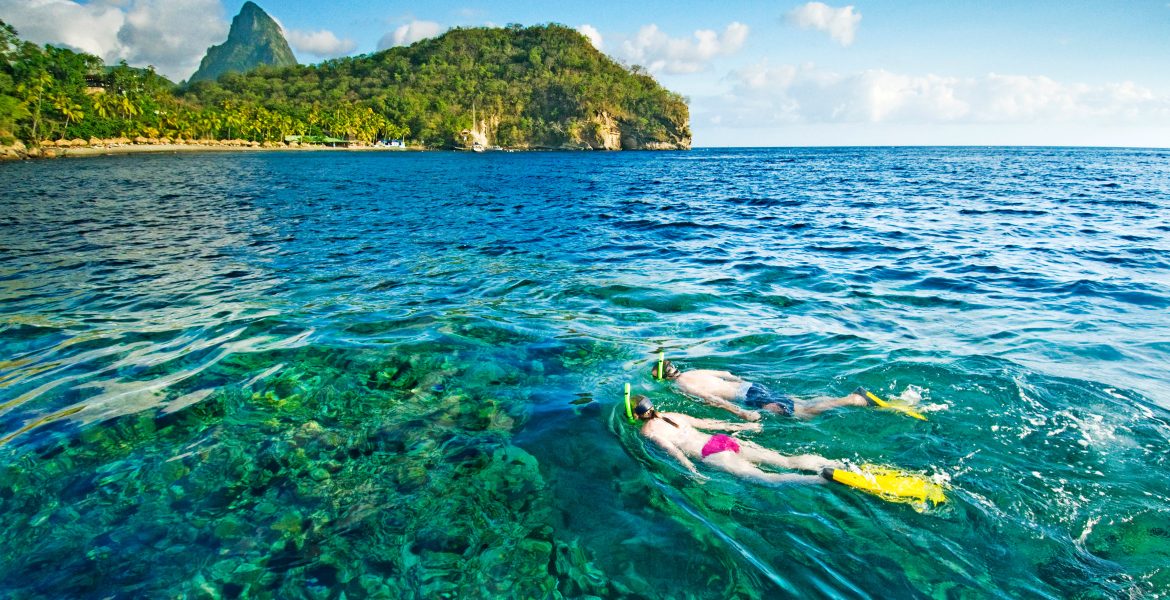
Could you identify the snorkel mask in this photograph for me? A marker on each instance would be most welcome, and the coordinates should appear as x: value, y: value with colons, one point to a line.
x: 644, y: 407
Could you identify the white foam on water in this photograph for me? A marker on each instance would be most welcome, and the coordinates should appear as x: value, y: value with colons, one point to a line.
x: 1094, y: 430
x: 1088, y: 529
x: 962, y: 468
x: 914, y: 395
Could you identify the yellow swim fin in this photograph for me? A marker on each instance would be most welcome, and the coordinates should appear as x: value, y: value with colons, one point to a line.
x: 878, y: 402
x: 889, y: 484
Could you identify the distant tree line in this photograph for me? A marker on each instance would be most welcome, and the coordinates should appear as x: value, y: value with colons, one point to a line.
x: 55, y: 93
x: 542, y: 85
x: 535, y: 86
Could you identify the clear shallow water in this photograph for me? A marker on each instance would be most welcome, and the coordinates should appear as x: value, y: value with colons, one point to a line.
x: 299, y: 375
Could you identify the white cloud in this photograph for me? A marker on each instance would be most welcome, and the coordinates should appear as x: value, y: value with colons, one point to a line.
x: 409, y: 34
x: 172, y: 36
x: 656, y: 51
x: 593, y: 34
x: 91, y: 28
x: 319, y: 43
x: 765, y: 95
x: 840, y: 23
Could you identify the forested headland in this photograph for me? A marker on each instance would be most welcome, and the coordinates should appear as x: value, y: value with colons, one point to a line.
x: 517, y: 87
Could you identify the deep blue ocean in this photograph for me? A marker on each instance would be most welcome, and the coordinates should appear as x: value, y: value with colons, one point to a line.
x: 348, y: 374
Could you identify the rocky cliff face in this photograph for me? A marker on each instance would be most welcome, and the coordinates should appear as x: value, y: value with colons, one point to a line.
x: 254, y: 40
x: 604, y: 132
x: 630, y: 143
x: 677, y: 136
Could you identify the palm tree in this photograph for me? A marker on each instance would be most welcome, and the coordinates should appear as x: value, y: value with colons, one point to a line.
x: 32, y: 93
x: 234, y: 120
x: 129, y: 109
x: 208, y: 124
x: 104, y: 105
x: 185, y: 124
x: 68, y: 108
x: 314, y: 117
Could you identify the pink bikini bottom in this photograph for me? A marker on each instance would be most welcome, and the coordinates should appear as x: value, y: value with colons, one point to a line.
x: 719, y: 443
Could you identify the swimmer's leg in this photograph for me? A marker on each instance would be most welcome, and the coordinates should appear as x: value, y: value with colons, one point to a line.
x: 824, y: 404
x: 779, y: 409
x: 804, y: 462
x: 736, y: 465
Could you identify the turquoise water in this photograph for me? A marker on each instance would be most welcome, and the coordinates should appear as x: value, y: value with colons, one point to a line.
x: 308, y: 375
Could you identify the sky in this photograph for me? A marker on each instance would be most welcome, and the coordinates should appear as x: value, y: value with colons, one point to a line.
x: 777, y: 73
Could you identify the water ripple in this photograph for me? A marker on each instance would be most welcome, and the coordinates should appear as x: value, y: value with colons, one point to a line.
x: 431, y: 314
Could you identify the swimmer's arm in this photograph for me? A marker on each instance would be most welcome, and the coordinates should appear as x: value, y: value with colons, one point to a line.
x: 749, y: 415
x: 677, y: 454
x: 716, y: 425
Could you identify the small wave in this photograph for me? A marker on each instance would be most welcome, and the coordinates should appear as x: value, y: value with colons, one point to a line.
x: 913, y: 300
x: 764, y: 202
x: 1004, y: 211
x: 839, y: 249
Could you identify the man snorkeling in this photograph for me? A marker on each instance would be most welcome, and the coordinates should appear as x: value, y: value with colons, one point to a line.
x: 721, y: 389
x: 679, y: 435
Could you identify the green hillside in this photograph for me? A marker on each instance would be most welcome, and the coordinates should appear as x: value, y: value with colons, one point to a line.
x: 536, y: 86
x: 254, y: 40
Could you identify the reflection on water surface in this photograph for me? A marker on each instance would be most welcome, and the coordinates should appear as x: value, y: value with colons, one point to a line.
x: 269, y: 375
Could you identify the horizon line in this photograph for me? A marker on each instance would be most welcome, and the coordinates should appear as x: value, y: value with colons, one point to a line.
x: 1040, y: 146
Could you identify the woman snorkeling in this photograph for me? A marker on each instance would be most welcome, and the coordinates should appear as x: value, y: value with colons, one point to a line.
x: 681, y: 437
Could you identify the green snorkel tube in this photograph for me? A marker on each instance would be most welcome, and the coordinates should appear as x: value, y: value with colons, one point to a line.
x: 659, y: 375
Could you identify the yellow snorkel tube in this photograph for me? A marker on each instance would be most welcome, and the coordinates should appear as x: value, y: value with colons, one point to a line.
x: 660, y: 373
x: 629, y: 409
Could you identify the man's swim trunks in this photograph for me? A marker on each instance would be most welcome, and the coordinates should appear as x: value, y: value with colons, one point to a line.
x: 757, y: 396
x: 720, y: 443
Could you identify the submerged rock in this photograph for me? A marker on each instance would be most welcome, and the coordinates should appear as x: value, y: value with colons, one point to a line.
x: 324, y: 478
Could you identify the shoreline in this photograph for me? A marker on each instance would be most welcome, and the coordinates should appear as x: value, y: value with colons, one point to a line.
x: 16, y: 153
x: 80, y: 149
x: 87, y: 151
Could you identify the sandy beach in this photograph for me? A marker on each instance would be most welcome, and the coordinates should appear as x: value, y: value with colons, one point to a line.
x: 51, y: 151
x: 176, y: 148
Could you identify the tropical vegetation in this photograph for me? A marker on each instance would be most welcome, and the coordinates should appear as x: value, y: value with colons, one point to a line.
x: 529, y: 87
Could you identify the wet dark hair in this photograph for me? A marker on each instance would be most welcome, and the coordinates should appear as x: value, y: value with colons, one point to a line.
x: 668, y: 367
x: 645, y: 407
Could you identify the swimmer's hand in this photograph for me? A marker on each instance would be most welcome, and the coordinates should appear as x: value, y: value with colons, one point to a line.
x: 749, y: 415
x: 748, y: 427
